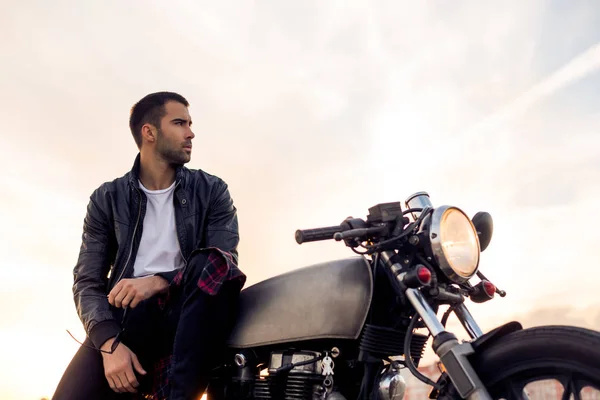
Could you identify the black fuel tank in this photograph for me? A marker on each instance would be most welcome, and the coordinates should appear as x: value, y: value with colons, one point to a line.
x: 327, y: 300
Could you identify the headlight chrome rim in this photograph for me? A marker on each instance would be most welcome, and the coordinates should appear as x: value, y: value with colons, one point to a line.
x: 435, y: 238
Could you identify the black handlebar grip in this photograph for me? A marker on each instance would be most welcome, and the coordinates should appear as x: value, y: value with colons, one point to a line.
x: 313, y: 235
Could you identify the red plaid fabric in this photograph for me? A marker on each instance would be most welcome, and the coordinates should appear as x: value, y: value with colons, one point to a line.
x: 159, y: 376
x: 220, y: 267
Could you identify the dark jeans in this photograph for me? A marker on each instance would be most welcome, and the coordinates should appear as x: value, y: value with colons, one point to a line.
x: 192, y: 328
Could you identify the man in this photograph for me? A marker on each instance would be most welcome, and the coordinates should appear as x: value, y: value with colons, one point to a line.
x: 156, y: 281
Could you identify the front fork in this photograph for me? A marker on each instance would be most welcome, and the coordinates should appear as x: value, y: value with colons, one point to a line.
x: 452, y: 353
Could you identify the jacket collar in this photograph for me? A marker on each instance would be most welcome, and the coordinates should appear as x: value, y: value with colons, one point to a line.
x: 134, y: 176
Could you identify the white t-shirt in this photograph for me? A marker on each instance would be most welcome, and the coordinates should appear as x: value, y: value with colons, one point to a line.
x: 159, y: 248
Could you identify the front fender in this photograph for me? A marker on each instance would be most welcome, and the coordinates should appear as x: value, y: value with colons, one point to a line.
x: 482, y: 342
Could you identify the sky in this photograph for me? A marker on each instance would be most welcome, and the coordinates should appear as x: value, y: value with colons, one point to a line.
x: 311, y: 111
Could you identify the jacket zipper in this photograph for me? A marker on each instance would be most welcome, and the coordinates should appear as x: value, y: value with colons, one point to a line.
x: 177, y: 231
x: 132, y: 238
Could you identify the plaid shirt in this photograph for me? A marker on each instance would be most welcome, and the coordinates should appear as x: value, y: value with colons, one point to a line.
x: 220, y: 267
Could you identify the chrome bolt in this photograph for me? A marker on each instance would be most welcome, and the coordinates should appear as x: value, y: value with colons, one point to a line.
x: 335, y: 352
x: 240, y: 360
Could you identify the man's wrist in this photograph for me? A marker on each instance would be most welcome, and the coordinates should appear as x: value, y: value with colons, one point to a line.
x: 162, y: 284
x: 103, y: 331
x: 107, y: 345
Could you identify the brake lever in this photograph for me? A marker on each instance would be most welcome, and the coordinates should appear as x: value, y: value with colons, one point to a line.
x: 358, y: 233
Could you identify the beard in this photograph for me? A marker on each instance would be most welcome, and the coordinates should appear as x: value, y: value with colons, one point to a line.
x: 173, y: 153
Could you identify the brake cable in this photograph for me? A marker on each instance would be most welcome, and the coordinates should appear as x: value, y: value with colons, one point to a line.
x: 408, y: 359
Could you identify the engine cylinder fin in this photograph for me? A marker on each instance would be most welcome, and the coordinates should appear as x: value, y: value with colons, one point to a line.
x: 291, y: 387
x: 384, y: 342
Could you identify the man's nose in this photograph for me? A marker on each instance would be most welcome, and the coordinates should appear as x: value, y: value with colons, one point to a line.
x: 191, y: 134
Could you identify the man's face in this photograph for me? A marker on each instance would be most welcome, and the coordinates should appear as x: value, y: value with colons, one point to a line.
x: 174, y: 136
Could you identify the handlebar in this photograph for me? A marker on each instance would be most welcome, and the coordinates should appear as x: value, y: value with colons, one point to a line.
x: 359, y: 232
x: 314, y: 235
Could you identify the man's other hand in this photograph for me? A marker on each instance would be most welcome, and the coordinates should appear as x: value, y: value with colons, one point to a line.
x: 130, y: 292
x: 118, y: 368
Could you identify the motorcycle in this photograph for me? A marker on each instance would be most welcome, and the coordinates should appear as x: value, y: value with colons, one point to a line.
x: 345, y: 329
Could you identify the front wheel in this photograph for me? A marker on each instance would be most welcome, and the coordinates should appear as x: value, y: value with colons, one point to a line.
x: 544, y: 362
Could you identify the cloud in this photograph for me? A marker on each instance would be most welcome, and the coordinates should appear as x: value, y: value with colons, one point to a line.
x: 313, y: 112
x: 585, y: 64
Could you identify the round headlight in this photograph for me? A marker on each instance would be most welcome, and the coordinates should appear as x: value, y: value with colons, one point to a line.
x: 454, y: 243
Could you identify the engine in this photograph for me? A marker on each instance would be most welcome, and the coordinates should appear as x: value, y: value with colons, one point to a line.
x: 303, y: 375
x: 290, y: 375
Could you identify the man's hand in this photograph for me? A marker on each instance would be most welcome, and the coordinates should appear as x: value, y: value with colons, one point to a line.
x: 118, y: 368
x: 130, y: 292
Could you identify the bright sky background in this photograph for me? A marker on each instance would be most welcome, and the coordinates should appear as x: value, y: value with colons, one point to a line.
x: 311, y: 111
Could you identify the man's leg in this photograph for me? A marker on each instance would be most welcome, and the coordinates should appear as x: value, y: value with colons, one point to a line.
x: 144, y: 334
x: 84, y: 378
x: 202, y: 329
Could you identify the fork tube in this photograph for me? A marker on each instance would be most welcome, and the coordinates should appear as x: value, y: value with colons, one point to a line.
x: 425, y: 311
x: 467, y: 321
x: 416, y: 298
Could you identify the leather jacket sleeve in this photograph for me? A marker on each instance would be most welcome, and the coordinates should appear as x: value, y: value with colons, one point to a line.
x: 222, y: 230
x: 90, y: 274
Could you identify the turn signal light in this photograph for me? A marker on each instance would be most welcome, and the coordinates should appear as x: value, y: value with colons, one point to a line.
x: 483, y: 292
x: 424, y: 275
x: 489, y: 288
x: 417, y: 277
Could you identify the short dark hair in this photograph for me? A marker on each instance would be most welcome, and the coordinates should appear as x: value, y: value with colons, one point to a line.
x: 150, y: 110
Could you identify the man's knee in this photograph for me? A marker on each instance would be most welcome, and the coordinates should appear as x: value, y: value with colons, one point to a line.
x: 195, y: 277
x: 193, y: 270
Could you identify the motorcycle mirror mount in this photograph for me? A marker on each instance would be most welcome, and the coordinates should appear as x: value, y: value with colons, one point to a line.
x: 484, y: 225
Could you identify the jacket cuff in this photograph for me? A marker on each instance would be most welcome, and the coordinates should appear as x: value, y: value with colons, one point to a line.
x: 168, y: 276
x: 103, y: 331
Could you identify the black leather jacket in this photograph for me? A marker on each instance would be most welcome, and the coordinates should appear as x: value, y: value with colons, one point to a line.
x: 204, y: 217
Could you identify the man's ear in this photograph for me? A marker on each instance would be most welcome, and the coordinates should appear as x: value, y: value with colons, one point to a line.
x: 149, y: 133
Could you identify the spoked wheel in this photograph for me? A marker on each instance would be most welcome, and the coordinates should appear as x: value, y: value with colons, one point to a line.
x: 551, y: 362
x: 562, y: 385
